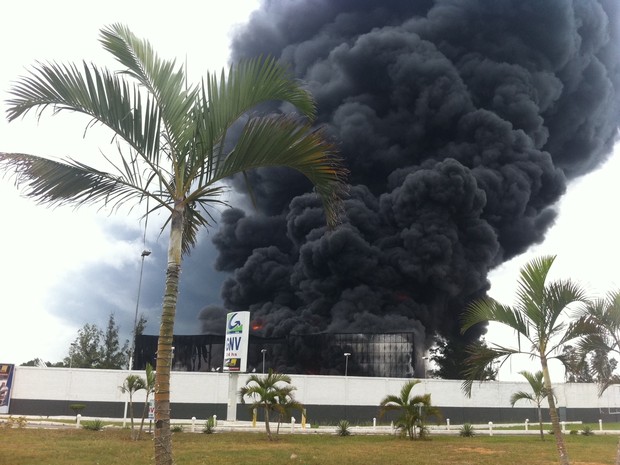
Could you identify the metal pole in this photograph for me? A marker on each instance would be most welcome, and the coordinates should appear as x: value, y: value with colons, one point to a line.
x: 263, y: 351
x: 346, y: 362
x: 145, y: 253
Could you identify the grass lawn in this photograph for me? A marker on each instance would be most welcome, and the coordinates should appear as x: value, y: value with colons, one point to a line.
x: 108, y: 447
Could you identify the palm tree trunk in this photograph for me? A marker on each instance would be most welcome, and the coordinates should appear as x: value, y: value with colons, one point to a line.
x: 267, y: 424
x: 553, y: 413
x: 540, y: 423
x: 144, y: 412
x: 133, y: 433
x: 163, y: 435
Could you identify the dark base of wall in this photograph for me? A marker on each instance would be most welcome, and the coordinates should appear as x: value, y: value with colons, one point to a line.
x: 321, y: 414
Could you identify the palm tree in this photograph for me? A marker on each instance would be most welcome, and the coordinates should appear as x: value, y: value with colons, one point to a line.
x: 175, y: 149
x: 603, y: 339
x: 131, y: 385
x: 537, y: 395
x: 149, y: 386
x: 268, y: 392
x: 539, y: 317
x: 414, y: 411
x: 285, y: 405
x: 602, y: 317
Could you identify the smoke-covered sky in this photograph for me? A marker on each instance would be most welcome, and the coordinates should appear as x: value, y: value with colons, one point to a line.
x: 462, y: 123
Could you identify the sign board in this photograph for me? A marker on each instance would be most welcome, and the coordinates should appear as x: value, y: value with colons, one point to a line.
x: 236, y: 342
x: 6, y: 382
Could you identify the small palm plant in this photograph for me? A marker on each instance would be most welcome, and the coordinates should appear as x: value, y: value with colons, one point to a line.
x: 131, y: 385
x: 267, y: 392
x: 343, y: 428
x: 209, y: 426
x: 414, y: 411
x: 149, y: 386
x: 538, y: 394
x: 467, y: 431
x: 285, y: 405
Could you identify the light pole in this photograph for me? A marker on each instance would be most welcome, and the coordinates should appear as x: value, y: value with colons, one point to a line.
x: 71, y: 354
x: 263, y: 351
x: 145, y: 253
x: 346, y: 362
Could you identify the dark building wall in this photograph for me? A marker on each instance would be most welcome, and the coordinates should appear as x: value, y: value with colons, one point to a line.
x: 319, y: 414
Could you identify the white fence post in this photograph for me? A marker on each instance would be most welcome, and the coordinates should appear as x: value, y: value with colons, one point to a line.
x: 374, y: 424
x: 292, y: 424
x: 78, y: 418
x: 527, y: 420
x: 448, y: 424
x: 600, y: 425
x: 193, y: 424
x: 490, y: 428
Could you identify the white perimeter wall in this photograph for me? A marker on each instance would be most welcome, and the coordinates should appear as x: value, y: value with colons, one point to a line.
x: 212, y: 388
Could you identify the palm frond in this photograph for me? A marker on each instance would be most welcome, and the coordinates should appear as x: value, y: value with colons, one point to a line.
x: 577, y: 329
x: 488, y: 309
x: 249, y: 84
x: 282, y: 141
x: 559, y: 295
x: 93, y: 92
x: 163, y: 78
x: 222, y: 102
x: 67, y: 183
x: 521, y: 395
x: 531, y: 285
x: 391, y: 402
x: 405, y: 391
x: 479, y: 360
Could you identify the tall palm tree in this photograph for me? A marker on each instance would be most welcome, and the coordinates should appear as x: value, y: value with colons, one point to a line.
x: 603, y: 341
x: 268, y: 392
x: 540, y: 318
x: 413, y: 411
x: 536, y: 396
x: 131, y: 385
x: 174, y: 146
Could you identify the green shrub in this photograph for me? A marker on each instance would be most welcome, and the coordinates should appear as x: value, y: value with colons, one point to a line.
x: 342, y: 429
x: 467, y: 431
x: 574, y: 431
x: 209, y: 426
x: 94, y: 425
x: 176, y: 428
x: 587, y: 431
x: 77, y: 408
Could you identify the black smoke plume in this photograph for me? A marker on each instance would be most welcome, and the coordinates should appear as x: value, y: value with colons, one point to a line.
x: 461, y: 122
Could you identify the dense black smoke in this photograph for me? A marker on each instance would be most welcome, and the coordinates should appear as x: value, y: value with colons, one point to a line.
x: 460, y: 121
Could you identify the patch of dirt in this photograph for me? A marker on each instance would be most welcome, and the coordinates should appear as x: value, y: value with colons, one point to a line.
x: 481, y: 450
